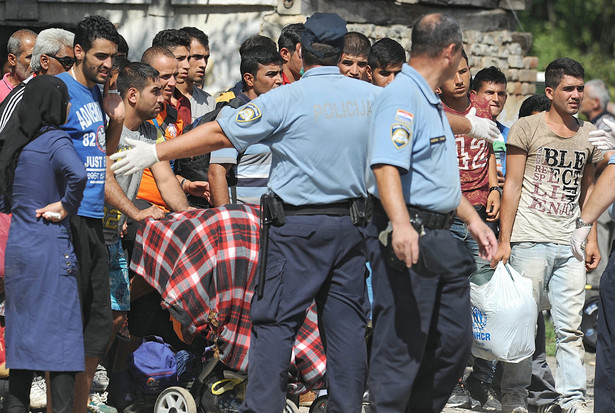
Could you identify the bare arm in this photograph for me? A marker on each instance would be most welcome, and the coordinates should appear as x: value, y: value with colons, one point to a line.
x: 218, y: 184
x: 493, y: 197
x: 459, y: 124
x: 483, y: 235
x: 601, y: 196
x: 515, y: 168
x: 169, y: 188
x: 405, y: 238
x: 202, y: 139
x: 592, y: 252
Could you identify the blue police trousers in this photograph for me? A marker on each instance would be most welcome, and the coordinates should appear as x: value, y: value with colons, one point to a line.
x: 311, y: 257
x: 422, y: 324
x: 604, y: 387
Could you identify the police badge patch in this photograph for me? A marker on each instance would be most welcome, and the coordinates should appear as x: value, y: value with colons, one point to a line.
x: 400, y: 135
x: 248, y: 113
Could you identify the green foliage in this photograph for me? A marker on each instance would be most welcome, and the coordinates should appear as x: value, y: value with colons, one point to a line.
x: 579, y: 29
x: 549, y: 337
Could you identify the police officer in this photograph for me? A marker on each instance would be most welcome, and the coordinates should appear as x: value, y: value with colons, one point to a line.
x: 421, y: 309
x: 317, y: 130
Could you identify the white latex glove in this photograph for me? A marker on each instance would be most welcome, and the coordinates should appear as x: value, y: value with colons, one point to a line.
x: 577, y: 242
x: 141, y: 156
x: 482, y: 128
x: 603, y: 140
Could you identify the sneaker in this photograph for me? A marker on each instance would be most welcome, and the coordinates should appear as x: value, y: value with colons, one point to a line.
x: 100, y: 381
x: 483, y: 392
x: 97, y: 404
x: 460, y: 398
x: 513, y: 403
x: 38, y: 394
x: 549, y: 408
x: 578, y: 407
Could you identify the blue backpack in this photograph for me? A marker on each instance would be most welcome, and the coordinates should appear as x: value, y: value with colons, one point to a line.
x: 153, y: 365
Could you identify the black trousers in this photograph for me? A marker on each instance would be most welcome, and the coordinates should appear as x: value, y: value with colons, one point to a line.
x: 604, y: 387
x: 62, y: 388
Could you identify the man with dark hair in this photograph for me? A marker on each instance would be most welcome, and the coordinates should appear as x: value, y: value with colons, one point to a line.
x: 122, y: 48
x: 178, y: 42
x: 385, y: 60
x: 353, y: 62
x: 317, y: 251
x: 534, y: 105
x: 550, y: 174
x: 19, y: 49
x: 261, y: 71
x: 289, y: 44
x: 420, y: 270
x: 96, y: 41
x: 201, y: 102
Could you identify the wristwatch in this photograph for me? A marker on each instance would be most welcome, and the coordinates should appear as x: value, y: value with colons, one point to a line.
x: 496, y: 188
x: 581, y: 224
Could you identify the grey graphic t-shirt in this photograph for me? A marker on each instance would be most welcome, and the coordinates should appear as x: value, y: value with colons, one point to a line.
x: 549, y: 203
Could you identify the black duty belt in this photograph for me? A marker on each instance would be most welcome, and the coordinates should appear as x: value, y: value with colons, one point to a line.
x: 428, y: 219
x: 337, y: 209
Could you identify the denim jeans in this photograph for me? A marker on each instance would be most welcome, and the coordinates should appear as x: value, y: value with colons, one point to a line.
x: 560, y: 277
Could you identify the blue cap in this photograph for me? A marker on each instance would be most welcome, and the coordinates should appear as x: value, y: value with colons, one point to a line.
x: 324, y: 28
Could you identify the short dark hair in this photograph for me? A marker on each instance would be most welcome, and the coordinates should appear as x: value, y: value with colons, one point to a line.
x: 135, y: 75
x: 258, y: 55
x: 489, y: 74
x: 356, y: 44
x: 197, y: 34
x: 331, y: 55
x: 256, y: 41
x: 563, y: 66
x: 434, y: 32
x: 535, y: 103
x: 122, y: 47
x: 119, y: 62
x: 150, y: 54
x: 385, y: 52
x: 290, y: 36
x: 171, y: 38
x: 95, y: 27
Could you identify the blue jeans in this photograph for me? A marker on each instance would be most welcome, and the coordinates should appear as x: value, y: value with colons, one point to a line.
x: 559, y: 277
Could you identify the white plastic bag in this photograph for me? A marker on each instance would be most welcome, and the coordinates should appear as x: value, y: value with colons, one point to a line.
x: 504, y: 316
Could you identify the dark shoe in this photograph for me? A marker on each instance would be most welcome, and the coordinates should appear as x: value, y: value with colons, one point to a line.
x: 483, y: 392
x: 513, y: 403
x: 460, y: 398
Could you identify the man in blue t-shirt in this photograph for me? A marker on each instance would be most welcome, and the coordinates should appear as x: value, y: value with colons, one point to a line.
x: 96, y: 41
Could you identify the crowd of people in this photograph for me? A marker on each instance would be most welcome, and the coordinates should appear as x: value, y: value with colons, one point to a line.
x: 359, y: 156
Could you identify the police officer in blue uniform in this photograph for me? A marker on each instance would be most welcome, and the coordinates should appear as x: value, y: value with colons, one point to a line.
x: 317, y: 129
x: 421, y: 310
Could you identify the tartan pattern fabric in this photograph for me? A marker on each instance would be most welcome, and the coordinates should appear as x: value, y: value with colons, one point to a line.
x: 203, y: 263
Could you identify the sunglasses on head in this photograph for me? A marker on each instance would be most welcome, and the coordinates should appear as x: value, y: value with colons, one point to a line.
x: 67, y: 62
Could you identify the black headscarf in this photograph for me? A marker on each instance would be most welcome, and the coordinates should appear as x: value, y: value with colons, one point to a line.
x: 42, y: 107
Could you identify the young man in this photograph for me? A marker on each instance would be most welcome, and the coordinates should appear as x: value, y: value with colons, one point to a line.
x: 385, y: 60
x: 490, y: 84
x: 353, y: 62
x: 178, y: 42
x: 420, y: 270
x: 201, y: 102
x: 550, y: 174
x: 96, y: 41
x: 169, y: 127
x: 261, y: 71
x: 19, y: 47
x: 289, y: 43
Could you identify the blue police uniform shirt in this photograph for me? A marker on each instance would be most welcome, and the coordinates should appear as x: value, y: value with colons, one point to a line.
x: 86, y: 128
x: 317, y: 129
x: 611, y: 209
x: 409, y: 130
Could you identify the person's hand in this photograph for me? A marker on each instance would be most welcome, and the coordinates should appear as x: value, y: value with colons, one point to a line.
x: 577, y: 242
x: 603, y: 140
x: 124, y: 229
x: 405, y: 241
x: 485, y: 238
x: 493, y: 206
x: 141, y: 156
x: 501, y: 179
x: 53, y: 212
x: 592, y: 255
x: 197, y: 188
x: 113, y: 105
x: 482, y: 128
x: 153, y: 212
x: 503, y: 254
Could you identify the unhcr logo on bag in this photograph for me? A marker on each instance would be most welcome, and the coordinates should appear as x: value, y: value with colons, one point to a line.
x: 479, y: 322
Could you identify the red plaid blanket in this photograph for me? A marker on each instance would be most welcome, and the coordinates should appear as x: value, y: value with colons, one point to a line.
x: 203, y: 263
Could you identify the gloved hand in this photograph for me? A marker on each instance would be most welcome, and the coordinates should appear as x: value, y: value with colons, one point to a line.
x: 604, y: 140
x: 141, y: 156
x: 577, y: 242
x: 482, y: 128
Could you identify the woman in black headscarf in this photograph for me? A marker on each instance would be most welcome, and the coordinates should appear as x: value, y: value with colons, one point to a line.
x: 42, y: 181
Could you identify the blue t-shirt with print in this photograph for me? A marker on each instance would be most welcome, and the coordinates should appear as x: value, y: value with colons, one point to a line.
x: 86, y: 127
